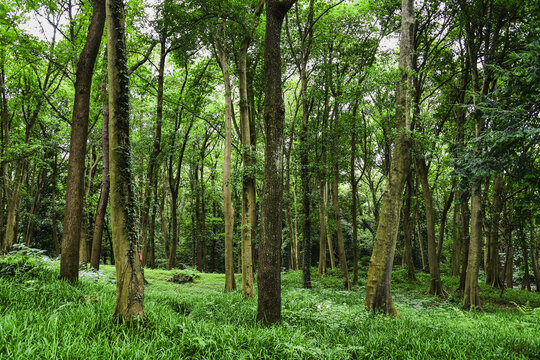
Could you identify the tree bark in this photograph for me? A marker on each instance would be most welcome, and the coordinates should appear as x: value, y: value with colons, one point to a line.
x: 322, y: 226
x: 105, y: 183
x: 228, y: 210
x: 129, y: 304
x: 407, y: 231
x: 69, y: 263
x: 269, y: 300
x: 378, y: 292
x: 152, y: 160
x: 435, y: 283
x: 339, y: 232
x: 493, y: 271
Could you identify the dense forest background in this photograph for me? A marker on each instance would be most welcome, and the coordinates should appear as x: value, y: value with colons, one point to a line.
x: 464, y: 106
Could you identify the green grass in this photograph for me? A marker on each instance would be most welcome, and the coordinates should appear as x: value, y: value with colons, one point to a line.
x: 43, y: 318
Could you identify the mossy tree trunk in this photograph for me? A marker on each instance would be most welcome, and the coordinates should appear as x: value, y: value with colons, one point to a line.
x: 129, y: 304
x: 378, y: 290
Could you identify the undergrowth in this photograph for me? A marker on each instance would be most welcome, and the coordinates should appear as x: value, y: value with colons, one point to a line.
x: 44, y: 318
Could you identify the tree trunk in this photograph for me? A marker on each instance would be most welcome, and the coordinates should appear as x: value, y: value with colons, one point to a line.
x: 444, y: 215
x: 526, y: 283
x: 228, y: 210
x: 69, y: 264
x: 493, y: 271
x: 339, y: 232
x: 248, y: 178
x: 129, y: 304
x: 13, y: 205
x: 471, y: 299
x: 152, y: 160
x: 378, y: 293
x: 322, y: 226
x: 105, y: 184
x: 407, y: 231
x: 465, y: 220
x: 435, y: 283
x: 534, y: 256
x: 269, y: 300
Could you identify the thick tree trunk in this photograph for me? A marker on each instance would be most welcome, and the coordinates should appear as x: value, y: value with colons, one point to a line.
x: 378, y: 293
x: 69, y: 264
x: 129, y: 304
x: 435, y: 283
x: 105, y: 184
x: 269, y: 300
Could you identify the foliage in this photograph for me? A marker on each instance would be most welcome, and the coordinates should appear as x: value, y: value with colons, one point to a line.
x: 199, y: 321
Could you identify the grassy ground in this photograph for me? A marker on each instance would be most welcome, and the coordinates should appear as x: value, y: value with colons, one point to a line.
x: 43, y: 318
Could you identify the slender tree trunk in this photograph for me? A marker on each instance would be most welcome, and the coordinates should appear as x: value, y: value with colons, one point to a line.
x: 105, y: 184
x: 378, y: 293
x: 471, y: 299
x: 444, y: 215
x: 534, y: 256
x: 322, y: 231
x: 248, y: 178
x: 58, y: 249
x: 228, y: 210
x: 40, y: 185
x: 69, y: 264
x: 465, y: 219
x: 407, y: 231
x: 129, y: 304
x: 419, y: 229
x: 339, y: 232
x: 269, y: 300
x: 526, y: 282
x: 152, y: 160
x: 435, y: 283
x: 493, y: 271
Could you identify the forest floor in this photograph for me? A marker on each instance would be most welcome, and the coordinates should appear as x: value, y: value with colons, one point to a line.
x: 44, y: 318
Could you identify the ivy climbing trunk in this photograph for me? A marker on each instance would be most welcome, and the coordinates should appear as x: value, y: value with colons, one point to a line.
x: 269, y: 300
x: 129, y: 304
x: 73, y: 215
x: 378, y: 290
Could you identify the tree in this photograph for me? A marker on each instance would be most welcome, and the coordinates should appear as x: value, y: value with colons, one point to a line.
x: 129, y: 304
x: 378, y: 293
x: 69, y: 265
x: 269, y: 300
